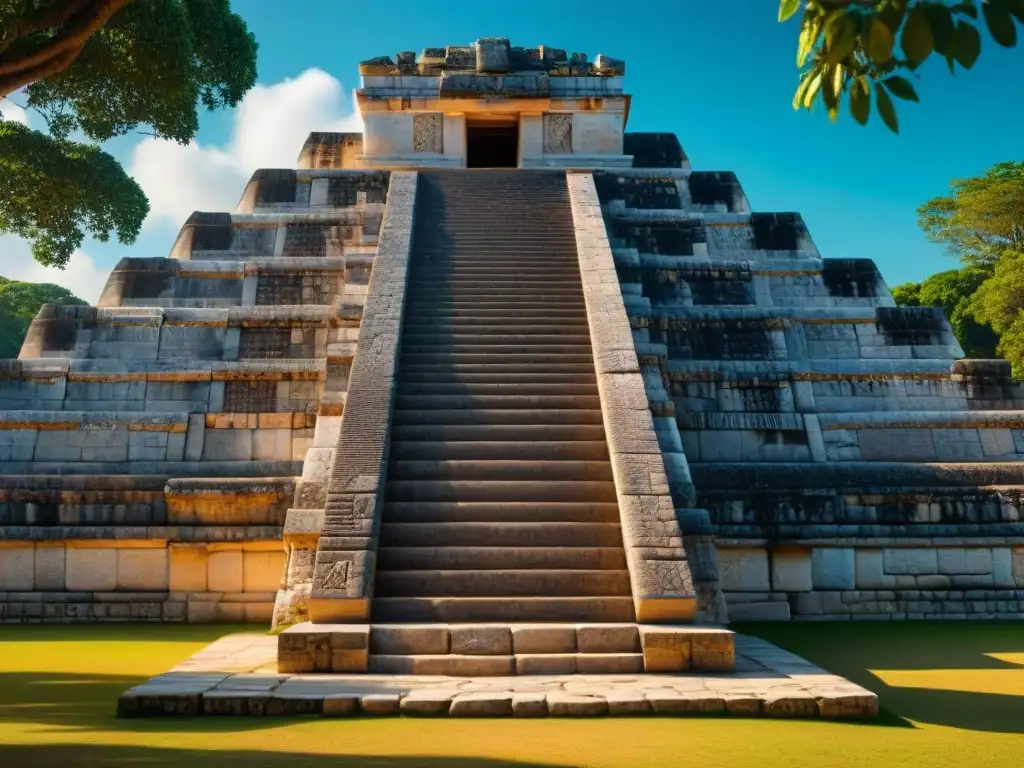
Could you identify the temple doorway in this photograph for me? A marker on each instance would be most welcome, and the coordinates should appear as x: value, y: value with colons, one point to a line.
x: 492, y: 145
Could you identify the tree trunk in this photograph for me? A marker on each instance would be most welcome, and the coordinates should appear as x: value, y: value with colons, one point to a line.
x: 77, y: 22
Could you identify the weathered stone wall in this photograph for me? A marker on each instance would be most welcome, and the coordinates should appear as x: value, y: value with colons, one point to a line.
x: 140, y: 547
x: 227, y: 362
x: 851, y: 465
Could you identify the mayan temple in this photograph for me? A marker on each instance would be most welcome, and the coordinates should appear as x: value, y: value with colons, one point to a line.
x: 498, y: 387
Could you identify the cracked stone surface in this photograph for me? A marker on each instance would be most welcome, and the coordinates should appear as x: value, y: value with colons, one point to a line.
x: 237, y: 675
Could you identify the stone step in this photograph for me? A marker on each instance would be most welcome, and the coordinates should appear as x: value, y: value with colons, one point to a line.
x: 523, y: 357
x: 497, y: 389
x: 498, y: 371
x: 578, y: 331
x: 510, y: 216
x: 498, y: 432
x: 489, y: 609
x: 468, y: 340
x: 442, y: 292
x: 499, y: 197
x: 414, y: 350
x: 399, y: 558
x: 497, y: 402
x: 457, y: 236
x: 486, y: 269
x: 473, y: 380
x: 502, y: 666
x: 501, y: 583
x: 512, y: 274
x: 507, y: 249
x: 505, y: 638
x: 527, y: 313
x: 494, y: 416
x: 558, y: 261
x: 501, y: 490
x: 504, y: 511
x: 489, y: 534
x: 525, y: 284
x: 521, y: 451
x: 497, y: 307
x: 480, y: 470
x: 510, y: 253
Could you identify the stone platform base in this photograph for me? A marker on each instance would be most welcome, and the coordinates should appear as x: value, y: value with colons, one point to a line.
x: 501, y: 650
x: 237, y: 675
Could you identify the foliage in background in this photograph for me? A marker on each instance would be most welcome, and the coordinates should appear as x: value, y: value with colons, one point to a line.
x: 856, y: 48
x: 93, y: 70
x: 999, y: 302
x: 981, y: 221
x: 954, y: 291
x: 982, y: 217
x: 19, y: 303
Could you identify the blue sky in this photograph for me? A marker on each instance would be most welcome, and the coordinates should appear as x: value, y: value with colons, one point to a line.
x: 719, y: 74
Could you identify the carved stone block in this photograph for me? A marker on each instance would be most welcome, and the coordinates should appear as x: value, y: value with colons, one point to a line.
x: 428, y: 132
x: 557, y: 134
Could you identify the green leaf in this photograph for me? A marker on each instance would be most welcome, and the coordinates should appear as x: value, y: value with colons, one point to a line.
x: 1000, y: 24
x: 833, y: 88
x: 840, y: 38
x: 940, y: 19
x: 860, y: 101
x: 967, y: 9
x: 813, y: 86
x: 901, y: 88
x: 1016, y: 7
x: 966, y: 44
x: 918, y: 41
x: 880, y: 42
x: 801, y: 91
x: 886, y: 109
x: 809, y: 34
x: 787, y: 8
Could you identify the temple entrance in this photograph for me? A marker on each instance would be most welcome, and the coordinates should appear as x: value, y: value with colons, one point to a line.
x: 492, y: 145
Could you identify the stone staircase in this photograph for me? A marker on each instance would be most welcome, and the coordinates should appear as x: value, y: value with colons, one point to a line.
x: 500, y: 503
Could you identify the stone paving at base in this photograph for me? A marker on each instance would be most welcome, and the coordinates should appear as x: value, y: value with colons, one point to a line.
x: 237, y: 675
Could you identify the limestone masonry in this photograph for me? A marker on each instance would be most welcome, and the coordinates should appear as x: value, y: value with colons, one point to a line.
x: 497, y: 387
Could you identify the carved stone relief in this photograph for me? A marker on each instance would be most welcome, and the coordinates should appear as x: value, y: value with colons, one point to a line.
x: 557, y: 134
x: 428, y: 132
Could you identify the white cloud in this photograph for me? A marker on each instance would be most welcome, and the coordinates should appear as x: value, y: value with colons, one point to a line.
x: 269, y: 128
x: 81, y: 275
x: 11, y: 111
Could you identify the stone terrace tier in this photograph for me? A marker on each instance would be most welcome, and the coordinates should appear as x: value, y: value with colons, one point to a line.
x: 150, y: 447
x: 851, y: 463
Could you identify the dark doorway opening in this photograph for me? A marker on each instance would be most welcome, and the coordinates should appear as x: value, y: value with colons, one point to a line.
x: 492, y: 146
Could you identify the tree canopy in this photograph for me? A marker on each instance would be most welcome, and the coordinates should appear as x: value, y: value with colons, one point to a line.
x: 981, y: 221
x: 980, y: 218
x: 856, y: 48
x: 93, y: 70
x: 19, y: 303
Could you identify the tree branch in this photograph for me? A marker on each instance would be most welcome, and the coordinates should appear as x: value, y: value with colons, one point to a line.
x: 70, y: 39
x: 11, y: 83
x: 57, y: 14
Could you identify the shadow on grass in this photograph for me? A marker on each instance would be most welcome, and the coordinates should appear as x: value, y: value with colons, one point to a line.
x: 128, y: 633
x: 93, y: 754
x: 858, y: 650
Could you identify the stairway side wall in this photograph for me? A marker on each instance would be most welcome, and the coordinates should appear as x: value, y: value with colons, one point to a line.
x: 662, y: 581
x: 346, y: 550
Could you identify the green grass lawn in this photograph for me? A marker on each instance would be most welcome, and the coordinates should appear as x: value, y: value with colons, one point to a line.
x: 953, y: 695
